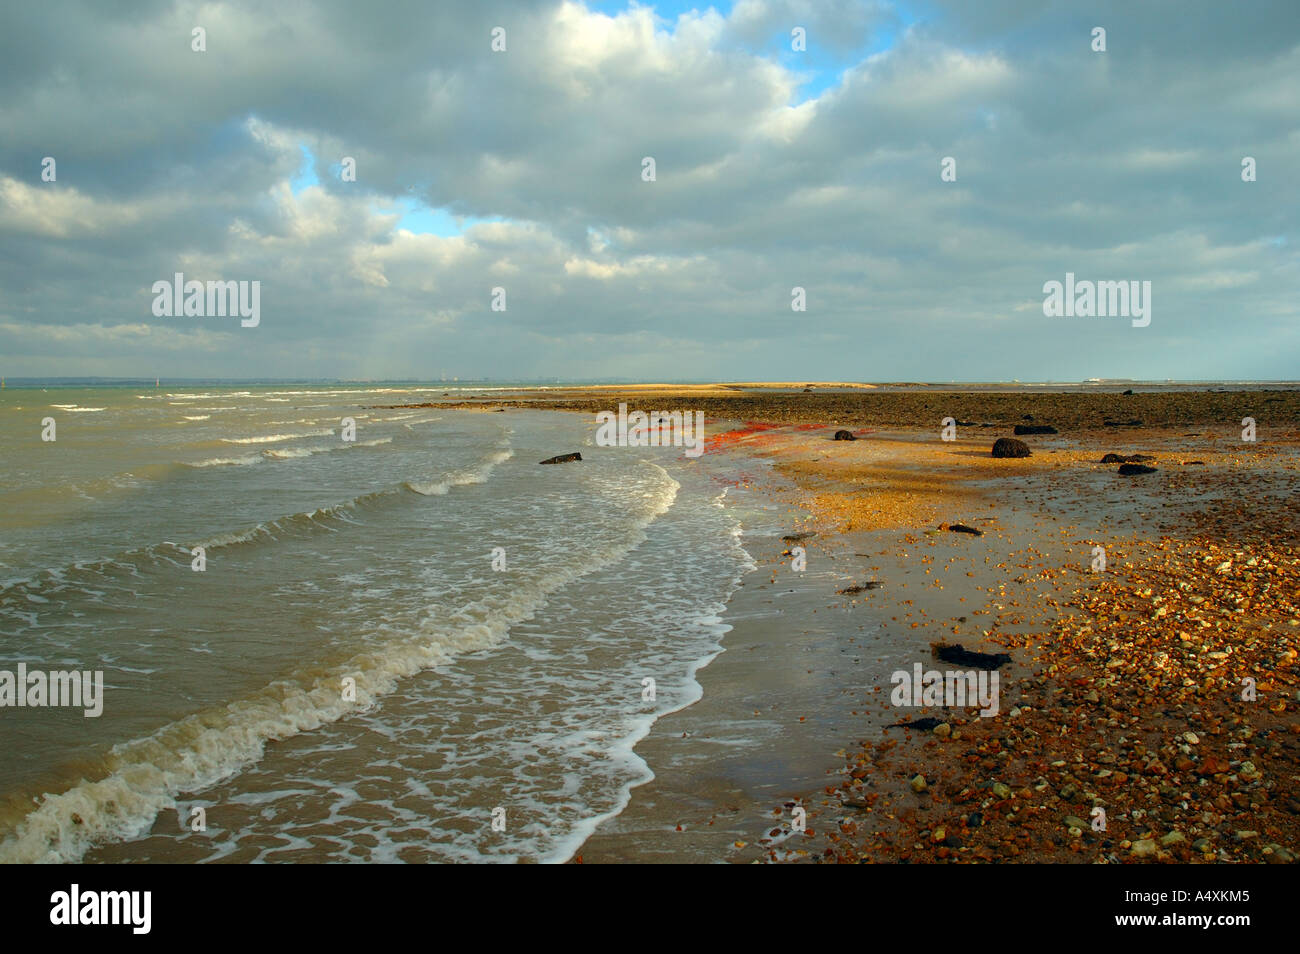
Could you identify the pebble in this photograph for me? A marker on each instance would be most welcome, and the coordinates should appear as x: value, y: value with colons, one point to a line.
x: 918, y: 784
x: 943, y: 730
x: 1173, y: 838
x: 1001, y: 790
x: 1143, y: 849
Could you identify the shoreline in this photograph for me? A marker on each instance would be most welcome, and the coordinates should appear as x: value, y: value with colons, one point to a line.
x: 1086, y: 662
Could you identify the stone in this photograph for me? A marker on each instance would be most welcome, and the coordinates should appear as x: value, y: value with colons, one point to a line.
x: 1277, y: 855
x: 1144, y: 848
x: 561, y: 459
x: 918, y: 784
x: 1010, y: 447
x: 1132, y: 470
x: 844, y: 436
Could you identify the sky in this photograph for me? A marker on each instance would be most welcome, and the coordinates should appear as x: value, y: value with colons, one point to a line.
x: 775, y: 168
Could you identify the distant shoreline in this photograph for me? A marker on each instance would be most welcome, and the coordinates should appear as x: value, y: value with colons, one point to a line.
x: 15, y: 382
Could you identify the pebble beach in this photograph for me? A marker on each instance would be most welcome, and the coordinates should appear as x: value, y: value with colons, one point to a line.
x: 1149, y: 709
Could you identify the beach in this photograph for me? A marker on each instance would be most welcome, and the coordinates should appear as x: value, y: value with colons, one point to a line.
x: 406, y: 641
x: 1122, y: 733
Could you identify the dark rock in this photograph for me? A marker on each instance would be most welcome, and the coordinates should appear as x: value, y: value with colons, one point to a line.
x: 1010, y: 447
x: 1035, y: 429
x: 844, y: 436
x: 796, y: 537
x: 962, y: 528
x: 1122, y: 459
x: 1133, y: 423
x: 960, y: 656
x: 1189, y: 463
x: 1129, y: 391
x: 1128, y: 470
x: 561, y: 459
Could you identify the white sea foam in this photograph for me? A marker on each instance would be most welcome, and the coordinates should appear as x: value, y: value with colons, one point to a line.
x: 275, y: 438
x: 227, y: 461
x: 290, y: 453
x: 474, y: 475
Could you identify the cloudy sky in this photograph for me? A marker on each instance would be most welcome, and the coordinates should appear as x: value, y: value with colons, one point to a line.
x: 774, y: 168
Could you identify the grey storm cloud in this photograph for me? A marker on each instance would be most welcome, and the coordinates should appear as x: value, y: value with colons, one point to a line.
x: 1122, y: 165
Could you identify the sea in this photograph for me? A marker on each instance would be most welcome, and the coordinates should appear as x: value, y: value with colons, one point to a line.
x: 333, y: 631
